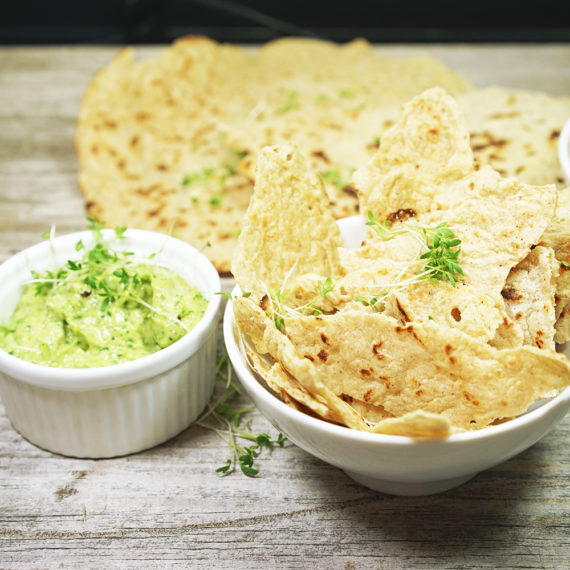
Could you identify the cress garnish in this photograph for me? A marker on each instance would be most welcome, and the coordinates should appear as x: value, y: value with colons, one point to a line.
x: 230, y: 418
x: 104, y: 308
x: 440, y: 244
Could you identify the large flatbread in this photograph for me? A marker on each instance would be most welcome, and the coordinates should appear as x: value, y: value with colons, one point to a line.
x: 170, y: 143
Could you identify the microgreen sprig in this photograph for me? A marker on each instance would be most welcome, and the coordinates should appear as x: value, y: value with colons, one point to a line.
x: 278, y: 310
x: 440, y: 244
x: 104, y: 272
x: 230, y: 418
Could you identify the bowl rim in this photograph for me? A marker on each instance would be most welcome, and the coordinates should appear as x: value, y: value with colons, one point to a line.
x: 251, y: 383
x: 114, y: 375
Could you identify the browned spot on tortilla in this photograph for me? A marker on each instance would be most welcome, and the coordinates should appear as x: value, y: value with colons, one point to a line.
x: 470, y: 398
x: 401, y: 215
x: 405, y: 318
x: 448, y: 351
x: 482, y: 141
x: 511, y: 294
x: 264, y: 303
x: 350, y: 190
x: 324, y: 338
x: 323, y: 355
x: 321, y: 154
x: 456, y: 314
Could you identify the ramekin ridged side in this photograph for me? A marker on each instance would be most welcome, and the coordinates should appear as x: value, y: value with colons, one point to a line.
x: 114, y: 421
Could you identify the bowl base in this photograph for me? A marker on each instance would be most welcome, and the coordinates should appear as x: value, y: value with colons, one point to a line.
x: 409, y: 489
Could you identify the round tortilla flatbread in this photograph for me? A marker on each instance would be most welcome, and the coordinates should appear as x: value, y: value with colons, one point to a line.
x: 170, y: 143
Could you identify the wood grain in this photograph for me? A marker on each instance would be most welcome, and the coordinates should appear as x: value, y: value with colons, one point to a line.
x: 167, y: 507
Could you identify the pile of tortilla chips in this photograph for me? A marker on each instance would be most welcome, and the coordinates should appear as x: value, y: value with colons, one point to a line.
x: 364, y: 337
x: 171, y: 143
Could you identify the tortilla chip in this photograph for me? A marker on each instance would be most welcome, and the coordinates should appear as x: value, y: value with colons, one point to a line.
x: 424, y: 174
x: 462, y: 307
x: 276, y: 241
x: 419, y: 425
x: 419, y: 159
x: 529, y: 294
x: 557, y: 237
x: 422, y: 367
x: 494, y: 236
x: 250, y: 317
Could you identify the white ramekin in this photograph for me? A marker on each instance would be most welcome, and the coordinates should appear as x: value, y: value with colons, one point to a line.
x: 119, y: 409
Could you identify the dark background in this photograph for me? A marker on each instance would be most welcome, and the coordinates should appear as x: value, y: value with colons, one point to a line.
x: 392, y: 21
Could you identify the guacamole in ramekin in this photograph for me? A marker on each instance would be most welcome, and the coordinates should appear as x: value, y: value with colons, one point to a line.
x: 100, y: 310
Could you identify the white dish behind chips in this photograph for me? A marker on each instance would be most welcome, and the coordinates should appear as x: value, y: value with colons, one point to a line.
x: 395, y: 464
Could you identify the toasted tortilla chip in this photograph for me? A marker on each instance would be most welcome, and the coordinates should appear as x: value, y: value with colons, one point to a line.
x: 462, y: 307
x: 529, y: 294
x: 264, y: 334
x: 419, y: 160
x: 288, y: 228
x: 424, y: 173
x: 281, y: 380
x: 370, y: 413
x: 415, y: 424
x: 494, y: 237
x: 557, y: 236
x: 423, y: 366
x: 288, y: 388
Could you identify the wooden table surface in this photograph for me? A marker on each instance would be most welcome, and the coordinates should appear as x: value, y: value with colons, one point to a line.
x: 168, y: 507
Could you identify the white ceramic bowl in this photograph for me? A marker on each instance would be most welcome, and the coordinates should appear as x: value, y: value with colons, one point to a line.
x: 118, y: 409
x: 394, y: 464
x: 564, y: 150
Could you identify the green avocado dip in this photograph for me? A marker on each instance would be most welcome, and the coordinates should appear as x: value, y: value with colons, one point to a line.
x: 102, y: 310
